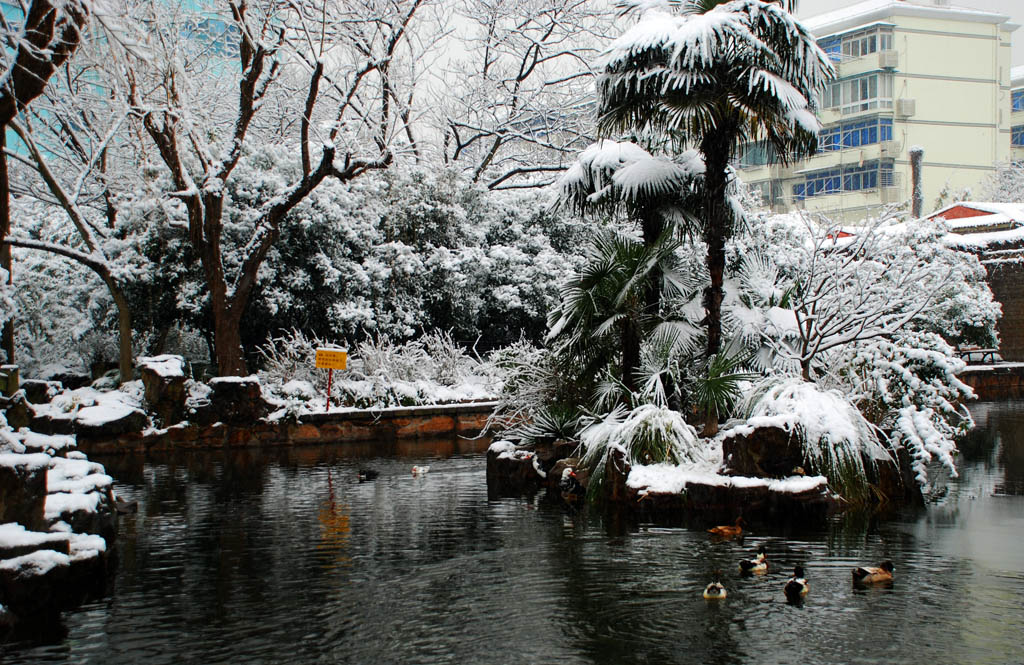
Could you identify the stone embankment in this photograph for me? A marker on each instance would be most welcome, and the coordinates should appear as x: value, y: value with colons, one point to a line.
x: 57, y: 528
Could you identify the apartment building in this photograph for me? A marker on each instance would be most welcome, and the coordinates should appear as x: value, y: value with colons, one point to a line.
x: 1017, y: 114
x: 910, y: 73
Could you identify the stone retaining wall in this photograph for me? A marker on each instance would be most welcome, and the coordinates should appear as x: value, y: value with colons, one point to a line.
x: 1003, y: 381
x: 310, y: 429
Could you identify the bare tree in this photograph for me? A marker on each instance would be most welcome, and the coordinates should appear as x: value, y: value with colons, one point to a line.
x: 526, y: 89
x: 32, y: 51
x: 304, y: 74
x: 871, y: 285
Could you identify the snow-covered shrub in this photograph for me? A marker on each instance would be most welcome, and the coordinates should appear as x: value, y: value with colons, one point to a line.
x: 289, y: 357
x: 908, y: 387
x: 648, y: 434
x: 837, y: 439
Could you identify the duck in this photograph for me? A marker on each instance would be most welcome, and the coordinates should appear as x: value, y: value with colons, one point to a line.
x: 874, y: 574
x: 728, y: 531
x: 368, y: 474
x: 420, y: 470
x: 758, y: 564
x: 797, y: 586
x: 125, y: 507
x: 571, y: 487
x: 715, y: 590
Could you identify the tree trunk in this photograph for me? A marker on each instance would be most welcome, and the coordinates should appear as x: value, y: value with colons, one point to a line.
x: 718, y: 223
x: 227, y: 335
x: 125, y: 364
x: 630, y: 354
x: 7, y: 337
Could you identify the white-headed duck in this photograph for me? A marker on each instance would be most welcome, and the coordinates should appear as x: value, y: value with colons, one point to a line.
x: 728, y: 531
x: 874, y: 574
x: 714, y: 590
x: 797, y: 586
x: 758, y: 564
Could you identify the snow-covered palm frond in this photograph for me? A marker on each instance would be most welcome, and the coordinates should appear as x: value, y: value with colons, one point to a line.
x: 837, y: 440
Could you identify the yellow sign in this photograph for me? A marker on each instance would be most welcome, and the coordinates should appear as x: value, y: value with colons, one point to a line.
x: 331, y: 359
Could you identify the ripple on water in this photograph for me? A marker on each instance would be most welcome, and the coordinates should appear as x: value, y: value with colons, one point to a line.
x: 280, y: 558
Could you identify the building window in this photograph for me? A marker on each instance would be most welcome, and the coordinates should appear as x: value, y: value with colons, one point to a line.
x: 1017, y: 97
x: 852, y: 178
x: 855, y: 134
x: 1017, y: 136
x: 862, y: 93
x: 857, y: 44
x: 833, y: 48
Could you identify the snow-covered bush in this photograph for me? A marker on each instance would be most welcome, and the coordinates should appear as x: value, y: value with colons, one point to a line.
x: 909, y: 388
x: 837, y: 439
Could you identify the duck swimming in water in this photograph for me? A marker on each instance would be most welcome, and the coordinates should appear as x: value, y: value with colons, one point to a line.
x: 728, y: 531
x: 367, y: 474
x: 880, y: 574
x: 796, y: 587
x: 715, y: 590
x: 420, y: 470
x: 759, y: 564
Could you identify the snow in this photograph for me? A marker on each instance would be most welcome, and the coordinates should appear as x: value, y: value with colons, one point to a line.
x: 61, y: 503
x: 86, y: 546
x: 39, y: 562
x: 671, y: 479
x: 50, y: 443
x: 234, y: 379
x: 164, y: 365
x: 97, y: 416
x: 14, y: 535
x: 29, y: 460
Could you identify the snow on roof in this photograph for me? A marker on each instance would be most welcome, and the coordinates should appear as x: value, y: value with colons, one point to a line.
x: 874, y: 11
x: 1014, y: 211
x: 1017, y: 77
x: 982, y: 240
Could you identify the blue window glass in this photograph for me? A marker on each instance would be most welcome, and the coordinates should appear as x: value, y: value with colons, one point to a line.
x: 799, y: 191
x: 833, y: 48
x: 1017, y: 135
x: 1017, y: 100
x: 885, y: 127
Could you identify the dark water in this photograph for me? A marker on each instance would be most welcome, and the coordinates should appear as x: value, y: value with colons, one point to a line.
x: 284, y: 556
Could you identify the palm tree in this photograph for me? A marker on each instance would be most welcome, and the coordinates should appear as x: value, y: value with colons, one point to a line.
x: 715, y: 75
x: 624, y: 281
x: 603, y: 310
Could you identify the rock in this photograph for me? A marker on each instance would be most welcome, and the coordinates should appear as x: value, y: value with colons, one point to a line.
x: 40, y: 392
x: 106, y: 421
x: 68, y: 379
x: 164, y: 380
x: 16, y: 540
x: 767, y: 452
x: 510, y: 471
x: 233, y: 400
x: 17, y: 410
x: 23, y: 489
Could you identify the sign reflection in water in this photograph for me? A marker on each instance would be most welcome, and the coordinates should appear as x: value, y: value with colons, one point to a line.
x: 281, y: 555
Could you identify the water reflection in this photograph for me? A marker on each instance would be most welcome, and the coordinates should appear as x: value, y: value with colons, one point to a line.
x: 282, y: 555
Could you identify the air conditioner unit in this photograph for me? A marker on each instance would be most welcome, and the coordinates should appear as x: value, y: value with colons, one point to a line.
x: 889, y: 59
x: 888, y: 148
x: 906, y: 107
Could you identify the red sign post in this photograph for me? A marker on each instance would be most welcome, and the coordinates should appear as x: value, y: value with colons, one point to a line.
x: 331, y: 359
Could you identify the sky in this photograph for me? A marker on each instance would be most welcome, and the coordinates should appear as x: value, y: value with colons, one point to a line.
x: 1012, y: 8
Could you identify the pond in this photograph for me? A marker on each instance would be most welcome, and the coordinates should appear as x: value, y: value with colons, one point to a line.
x: 284, y: 556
